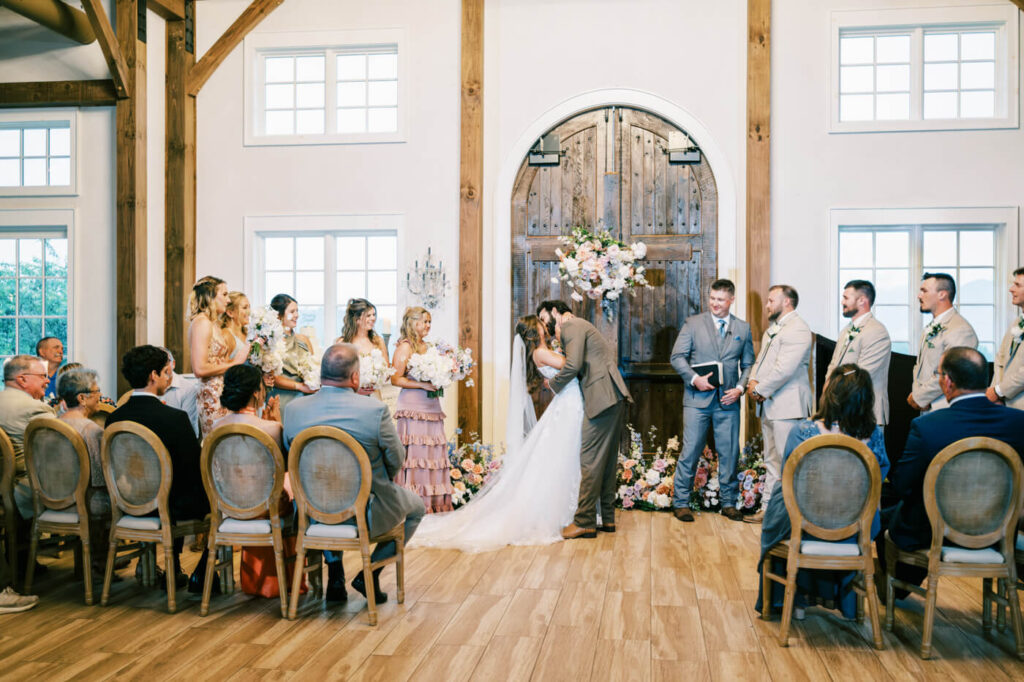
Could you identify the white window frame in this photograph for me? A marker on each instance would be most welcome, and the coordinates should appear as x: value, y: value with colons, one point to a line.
x: 259, y: 45
x: 48, y: 222
x: 1006, y: 221
x: 1003, y: 18
x: 258, y: 227
x: 25, y: 117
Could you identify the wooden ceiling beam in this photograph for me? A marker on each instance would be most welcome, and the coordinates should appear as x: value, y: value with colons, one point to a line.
x: 55, y: 15
x: 168, y: 10
x: 93, y: 93
x: 108, y: 44
x: 1019, y: 3
x: 247, y: 21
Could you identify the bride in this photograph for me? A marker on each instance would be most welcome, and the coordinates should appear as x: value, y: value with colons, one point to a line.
x: 535, y: 492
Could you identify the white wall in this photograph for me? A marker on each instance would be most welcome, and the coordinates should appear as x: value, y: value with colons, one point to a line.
x: 814, y: 171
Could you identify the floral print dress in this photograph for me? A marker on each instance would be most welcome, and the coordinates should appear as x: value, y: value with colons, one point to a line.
x: 210, y: 388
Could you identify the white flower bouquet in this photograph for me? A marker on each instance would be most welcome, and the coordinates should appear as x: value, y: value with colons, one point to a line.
x: 374, y: 371
x: 441, y: 365
x: 309, y: 370
x: 266, y: 340
x: 600, y: 267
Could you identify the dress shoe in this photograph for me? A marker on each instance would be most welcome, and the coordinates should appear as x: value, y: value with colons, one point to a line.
x: 607, y: 528
x: 572, y: 531
x: 755, y: 518
x: 180, y: 580
x: 359, y: 585
x: 195, y: 583
x: 683, y: 514
x: 732, y: 513
x: 336, y: 591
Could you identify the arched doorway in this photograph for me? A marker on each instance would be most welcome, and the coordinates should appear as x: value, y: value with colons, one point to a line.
x: 614, y: 174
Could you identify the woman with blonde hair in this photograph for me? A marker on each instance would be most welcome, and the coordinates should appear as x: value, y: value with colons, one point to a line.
x: 360, y: 319
x: 209, y: 349
x: 235, y: 321
x: 420, y: 421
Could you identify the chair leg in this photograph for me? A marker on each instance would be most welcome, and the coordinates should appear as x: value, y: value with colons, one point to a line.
x: 87, y: 566
x: 986, y: 605
x: 890, y: 592
x: 1015, y: 616
x: 170, y: 573
x: 766, y: 590
x: 371, y: 594
x: 400, y: 570
x: 1000, y: 611
x: 12, y: 546
x: 109, y: 570
x: 211, y: 569
x: 77, y: 552
x: 282, y: 577
x: 30, y: 565
x: 300, y: 557
x: 929, y: 616
x: 787, y: 605
x: 872, y: 598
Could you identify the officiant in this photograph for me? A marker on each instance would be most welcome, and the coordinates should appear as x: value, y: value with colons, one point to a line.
x: 713, y: 354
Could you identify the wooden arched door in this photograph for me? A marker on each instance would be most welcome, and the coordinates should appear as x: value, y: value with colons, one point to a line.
x: 615, y: 174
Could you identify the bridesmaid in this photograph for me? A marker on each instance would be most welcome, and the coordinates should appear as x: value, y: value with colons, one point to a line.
x: 235, y: 322
x: 209, y: 347
x: 420, y: 421
x: 288, y: 385
x: 360, y: 318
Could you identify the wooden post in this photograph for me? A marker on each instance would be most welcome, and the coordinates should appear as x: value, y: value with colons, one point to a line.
x: 131, y: 182
x: 180, y: 188
x: 471, y: 175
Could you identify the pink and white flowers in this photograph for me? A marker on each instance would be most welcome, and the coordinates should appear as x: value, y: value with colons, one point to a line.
x: 374, y: 370
x: 266, y: 340
x: 441, y: 365
x: 600, y: 267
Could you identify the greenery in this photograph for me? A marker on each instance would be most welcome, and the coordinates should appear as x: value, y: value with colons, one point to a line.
x: 33, y: 293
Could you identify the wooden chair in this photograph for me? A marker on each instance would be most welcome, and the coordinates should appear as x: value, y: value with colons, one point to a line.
x: 243, y: 473
x: 137, y: 468
x: 103, y: 410
x: 972, y: 494
x: 832, y: 486
x: 10, y: 512
x: 58, y: 469
x: 331, y: 478
x: 124, y: 397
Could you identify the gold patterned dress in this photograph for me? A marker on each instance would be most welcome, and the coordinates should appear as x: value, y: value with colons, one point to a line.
x: 210, y: 388
x: 294, y: 353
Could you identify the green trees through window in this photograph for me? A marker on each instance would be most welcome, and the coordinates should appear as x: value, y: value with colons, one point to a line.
x: 33, y: 291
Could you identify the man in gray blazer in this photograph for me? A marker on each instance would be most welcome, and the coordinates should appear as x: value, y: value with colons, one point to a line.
x: 1008, y: 379
x: 21, y: 401
x: 368, y: 421
x: 780, y: 382
x: 948, y: 329
x: 589, y: 357
x: 864, y: 342
x: 714, y: 336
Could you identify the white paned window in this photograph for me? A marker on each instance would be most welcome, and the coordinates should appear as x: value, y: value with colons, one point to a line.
x: 323, y: 270
x: 896, y: 257
x: 299, y: 92
x: 37, y: 153
x: 33, y: 289
x: 925, y: 69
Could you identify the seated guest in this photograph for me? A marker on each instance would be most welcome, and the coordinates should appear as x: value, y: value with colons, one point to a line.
x: 847, y: 407
x: 51, y: 349
x: 21, y: 401
x: 368, y: 421
x: 183, y: 393
x: 963, y: 378
x: 244, y: 396
x: 148, y: 371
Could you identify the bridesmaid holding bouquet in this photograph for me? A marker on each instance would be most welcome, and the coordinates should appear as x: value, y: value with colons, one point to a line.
x: 360, y: 319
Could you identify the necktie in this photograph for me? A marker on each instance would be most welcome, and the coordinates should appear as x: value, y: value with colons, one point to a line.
x: 721, y: 329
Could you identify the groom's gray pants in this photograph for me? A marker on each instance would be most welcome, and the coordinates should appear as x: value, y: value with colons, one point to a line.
x: 599, y: 459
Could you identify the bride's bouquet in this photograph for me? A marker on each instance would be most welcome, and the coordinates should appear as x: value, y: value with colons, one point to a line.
x: 266, y: 340
x: 374, y: 371
x: 441, y: 365
x: 599, y: 266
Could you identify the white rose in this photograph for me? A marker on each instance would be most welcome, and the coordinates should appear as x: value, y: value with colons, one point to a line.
x: 613, y: 251
x: 639, y: 250
x: 662, y: 501
x: 652, y: 477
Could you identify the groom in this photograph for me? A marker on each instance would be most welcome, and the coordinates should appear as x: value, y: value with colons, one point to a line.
x: 589, y: 357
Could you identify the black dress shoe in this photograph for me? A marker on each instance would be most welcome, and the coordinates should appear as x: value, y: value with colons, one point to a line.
x: 359, y: 585
x: 180, y: 581
x: 336, y: 591
x: 195, y: 583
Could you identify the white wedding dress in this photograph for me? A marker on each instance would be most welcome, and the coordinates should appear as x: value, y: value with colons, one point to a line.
x: 534, y: 495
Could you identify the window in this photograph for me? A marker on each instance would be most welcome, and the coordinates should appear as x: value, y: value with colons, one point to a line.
x: 926, y: 69
x: 33, y: 290
x: 303, y: 93
x: 323, y: 270
x: 36, y: 153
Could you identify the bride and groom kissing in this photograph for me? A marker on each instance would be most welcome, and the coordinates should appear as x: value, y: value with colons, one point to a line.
x: 558, y: 475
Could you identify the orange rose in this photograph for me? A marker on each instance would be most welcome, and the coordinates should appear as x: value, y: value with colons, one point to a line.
x: 456, y: 474
x: 627, y: 475
x: 478, y: 469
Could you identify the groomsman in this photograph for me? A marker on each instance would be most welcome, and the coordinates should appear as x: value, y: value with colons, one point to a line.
x: 714, y: 336
x: 865, y: 343
x: 1008, y: 380
x: 948, y: 329
x: 779, y: 381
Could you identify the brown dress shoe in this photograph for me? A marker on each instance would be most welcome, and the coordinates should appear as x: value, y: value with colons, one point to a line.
x: 683, y: 514
x: 572, y: 531
x: 732, y: 513
x: 756, y: 518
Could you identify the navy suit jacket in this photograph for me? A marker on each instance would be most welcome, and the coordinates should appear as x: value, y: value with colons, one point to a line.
x: 930, y: 433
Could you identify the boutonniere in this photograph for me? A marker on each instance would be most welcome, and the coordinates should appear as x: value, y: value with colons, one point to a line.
x: 933, y: 331
x: 1018, y: 333
x: 852, y: 334
x: 773, y: 330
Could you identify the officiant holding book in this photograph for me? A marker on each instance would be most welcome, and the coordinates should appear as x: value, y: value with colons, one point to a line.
x: 713, y: 354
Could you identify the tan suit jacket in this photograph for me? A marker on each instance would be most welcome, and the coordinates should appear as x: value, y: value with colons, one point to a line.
x: 1009, y: 368
x: 17, y: 409
x: 589, y: 356
x: 956, y: 332
x: 870, y: 349
x: 781, y: 371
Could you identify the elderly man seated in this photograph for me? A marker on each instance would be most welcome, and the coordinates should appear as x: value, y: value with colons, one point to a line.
x: 21, y: 401
x: 368, y: 421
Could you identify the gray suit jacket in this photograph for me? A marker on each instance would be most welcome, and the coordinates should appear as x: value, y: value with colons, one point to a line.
x: 956, y: 331
x: 699, y: 342
x: 17, y: 409
x: 588, y: 356
x: 870, y: 349
x: 368, y: 421
x: 1009, y: 368
x: 781, y: 371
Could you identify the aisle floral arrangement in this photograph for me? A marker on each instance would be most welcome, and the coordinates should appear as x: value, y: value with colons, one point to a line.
x: 374, y: 371
x: 441, y: 365
x: 266, y: 340
x: 473, y: 464
x: 600, y: 267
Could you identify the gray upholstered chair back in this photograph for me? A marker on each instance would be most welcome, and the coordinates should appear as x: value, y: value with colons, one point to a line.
x: 242, y: 469
x: 830, y: 486
x: 136, y: 466
x: 6, y: 465
x: 52, y: 454
x: 330, y: 475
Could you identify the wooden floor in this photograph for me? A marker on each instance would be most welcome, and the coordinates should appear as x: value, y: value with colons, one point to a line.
x: 659, y: 600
